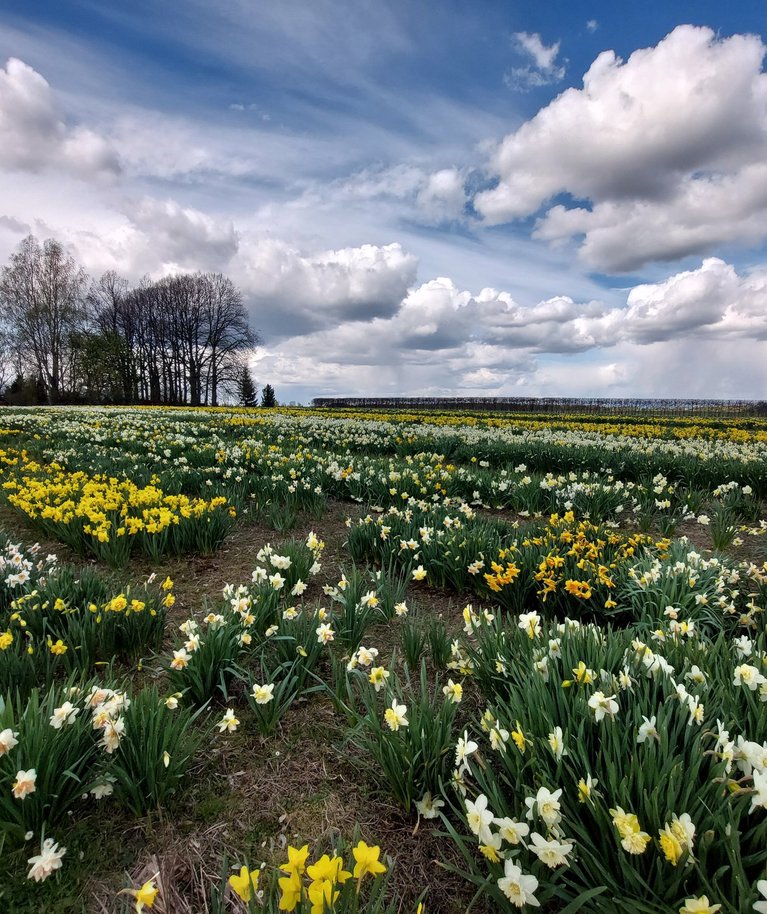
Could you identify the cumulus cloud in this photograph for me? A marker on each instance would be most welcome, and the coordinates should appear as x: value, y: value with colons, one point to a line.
x: 291, y: 291
x: 180, y: 237
x: 148, y: 236
x: 295, y: 293
x: 439, y: 339
x: 442, y: 197
x: 712, y: 302
x: 437, y: 317
x: 15, y: 226
x: 543, y: 68
x: 693, y: 334
x: 35, y: 136
x: 373, y: 363
x: 623, y: 235
x: 667, y: 148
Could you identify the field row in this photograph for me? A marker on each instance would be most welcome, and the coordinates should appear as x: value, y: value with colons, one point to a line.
x: 524, y: 672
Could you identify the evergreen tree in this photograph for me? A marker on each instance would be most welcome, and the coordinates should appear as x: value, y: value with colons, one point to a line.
x: 268, y: 399
x: 25, y: 391
x: 247, y: 394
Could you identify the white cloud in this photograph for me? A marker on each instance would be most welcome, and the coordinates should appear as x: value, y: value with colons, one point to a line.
x: 362, y: 302
x: 443, y: 197
x: 179, y: 237
x: 544, y: 56
x: 623, y: 235
x: 484, y: 378
x: 670, y: 368
x: 710, y: 302
x: 592, y: 25
x: 319, y: 218
x: 397, y: 182
x: 666, y: 145
x: 427, y: 197
x: 14, y: 226
x: 442, y: 338
x: 543, y: 70
x: 368, y: 361
x: 438, y: 317
x: 34, y: 134
x: 729, y: 369
x: 293, y: 293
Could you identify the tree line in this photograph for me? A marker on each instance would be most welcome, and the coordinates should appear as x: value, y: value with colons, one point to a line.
x: 596, y: 406
x: 67, y: 338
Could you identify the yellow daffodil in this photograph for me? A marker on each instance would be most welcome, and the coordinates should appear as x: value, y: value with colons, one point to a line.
x: 145, y: 896
x: 296, y: 864
x: 453, y: 691
x: 519, y: 738
x: 331, y: 868
x: 367, y: 860
x: 671, y: 846
x: 245, y: 884
x: 291, y: 888
x: 323, y: 895
x: 395, y: 716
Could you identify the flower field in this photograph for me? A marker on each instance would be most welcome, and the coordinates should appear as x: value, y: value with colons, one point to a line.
x: 326, y: 661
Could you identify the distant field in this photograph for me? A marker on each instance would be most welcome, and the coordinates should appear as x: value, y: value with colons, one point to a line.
x: 555, y: 405
x: 523, y: 654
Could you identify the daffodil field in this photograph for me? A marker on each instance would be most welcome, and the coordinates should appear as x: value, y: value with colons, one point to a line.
x: 329, y: 661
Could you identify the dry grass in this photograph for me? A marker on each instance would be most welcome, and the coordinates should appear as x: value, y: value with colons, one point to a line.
x: 253, y: 797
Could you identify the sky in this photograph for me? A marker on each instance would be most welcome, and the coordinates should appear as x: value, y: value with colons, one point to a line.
x: 495, y: 198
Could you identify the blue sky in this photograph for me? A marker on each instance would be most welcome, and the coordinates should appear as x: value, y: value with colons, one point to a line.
x: 415, y: 197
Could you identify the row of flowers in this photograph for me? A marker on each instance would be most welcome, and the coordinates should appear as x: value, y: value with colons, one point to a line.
x: 202, y: 448
x: 539, y: 791
x: 563, y: 566
x: 110, y: 518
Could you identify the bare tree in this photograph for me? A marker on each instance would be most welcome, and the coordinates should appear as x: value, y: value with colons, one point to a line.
x: 112, y: 317
x: 106, y: 300
x: 181, y: 339
x: 229, y: 335
x: 7, y: 368
x: 42, y: 291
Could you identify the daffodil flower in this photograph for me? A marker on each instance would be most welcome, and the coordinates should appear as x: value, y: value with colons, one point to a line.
x: 245, y: 884
x: 367, y: 860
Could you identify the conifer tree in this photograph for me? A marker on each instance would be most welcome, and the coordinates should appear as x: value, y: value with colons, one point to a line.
x: 268, y: 398
x: 246, y: 388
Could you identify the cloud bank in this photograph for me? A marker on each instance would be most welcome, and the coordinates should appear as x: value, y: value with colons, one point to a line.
x: 666, y: 151
x: 384, y: 244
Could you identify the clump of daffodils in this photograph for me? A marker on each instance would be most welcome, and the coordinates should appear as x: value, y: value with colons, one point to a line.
x: 326, y: 884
